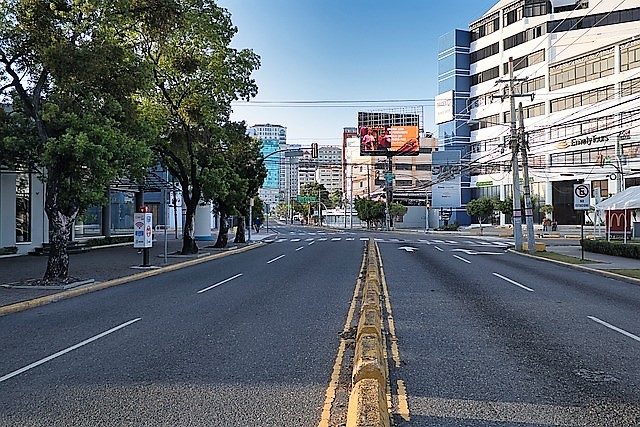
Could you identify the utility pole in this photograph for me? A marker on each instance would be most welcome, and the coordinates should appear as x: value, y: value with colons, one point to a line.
x: 514, y: 143
x: 389, y: 191
x: 528, y: 211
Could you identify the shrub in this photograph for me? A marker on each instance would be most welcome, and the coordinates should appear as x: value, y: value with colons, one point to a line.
x: 449, y: 227
x: 602, y: 246
x: 109, y: 240
x: 8, y: 250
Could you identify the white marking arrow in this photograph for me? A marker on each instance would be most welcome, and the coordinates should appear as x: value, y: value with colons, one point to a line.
x: 472, y: 252
x: 407, y: 248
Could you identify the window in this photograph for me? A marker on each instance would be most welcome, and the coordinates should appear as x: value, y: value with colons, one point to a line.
x: 402, y: 166
x: 513, y: 13
x: 523, y: 37
x: 485, y: 76
x: 582, y: 69
x: 630, y: 55
x: 528, y: 112
x: 485, y: 52
x: 23, y: 207
x: 485, y: 26
x: 423, y: 167
x: 583, y: 98
x: 591, y: 21
x: 404, y: 182
x: 525, y: 61
x: 603, y: 185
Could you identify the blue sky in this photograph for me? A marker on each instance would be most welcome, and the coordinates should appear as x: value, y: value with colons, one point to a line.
x: 328, y: 50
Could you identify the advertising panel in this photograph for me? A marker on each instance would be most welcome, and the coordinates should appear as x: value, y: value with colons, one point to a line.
x: 618, y: 220
x: 389, y: 134
x: 445, y: 173
x: 142, y: 230
x: 444, y: 107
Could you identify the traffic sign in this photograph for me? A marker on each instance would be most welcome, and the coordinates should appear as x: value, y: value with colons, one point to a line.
x: 303, y: 199
x: 581, y: 197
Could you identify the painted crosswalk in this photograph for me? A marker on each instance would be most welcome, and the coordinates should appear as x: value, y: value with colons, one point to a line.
x: 481, y: 243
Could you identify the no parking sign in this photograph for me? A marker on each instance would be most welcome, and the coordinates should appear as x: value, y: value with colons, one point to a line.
x: 581, y: 197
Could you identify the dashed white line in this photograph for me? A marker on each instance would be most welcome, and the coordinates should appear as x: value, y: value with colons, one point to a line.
x: 462, y: 259
x: 67, y: 350
x: 615, y: 328
x: 275, y: 259
x: 300, y: 248
x: 295, y: 240
x: 440, y: 249
x: 335, y: 239
x: 322, y: 239
x: 219, y: 283
x: 364, y: 238
x: 349, y: 239
x: 513, y: 282
x: 311, y: 242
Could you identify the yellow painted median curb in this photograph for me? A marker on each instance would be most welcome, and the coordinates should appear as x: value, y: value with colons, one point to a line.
x: 37, y: 302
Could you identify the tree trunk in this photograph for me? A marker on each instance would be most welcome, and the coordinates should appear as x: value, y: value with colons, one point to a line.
x: 61, y: 223
x: 223, y: 231
x: 240, y: 232
x: 188, y: 242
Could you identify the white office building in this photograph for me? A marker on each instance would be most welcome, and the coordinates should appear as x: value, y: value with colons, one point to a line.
x: 580, y: 62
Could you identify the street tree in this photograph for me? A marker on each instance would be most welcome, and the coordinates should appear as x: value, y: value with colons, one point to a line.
x: 370, y: 211
x: 313, y: 189
x: 70, y: 78
x: 482, y: 208
x: 197, y: 74
x: 397, y: 210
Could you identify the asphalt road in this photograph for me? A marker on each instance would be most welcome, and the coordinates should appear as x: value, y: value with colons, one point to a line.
x: 491, y: 338
x: 245, y: 340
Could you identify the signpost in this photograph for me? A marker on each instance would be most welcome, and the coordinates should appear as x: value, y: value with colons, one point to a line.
x: 581, y: 202
x: 143, y: 234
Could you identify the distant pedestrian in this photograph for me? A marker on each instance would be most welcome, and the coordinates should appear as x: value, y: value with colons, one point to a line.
x: 554, y: 226
x: 545, y: 224
x: 257, y: 223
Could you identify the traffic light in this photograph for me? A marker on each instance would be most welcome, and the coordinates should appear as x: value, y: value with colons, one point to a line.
x: 314, y: 150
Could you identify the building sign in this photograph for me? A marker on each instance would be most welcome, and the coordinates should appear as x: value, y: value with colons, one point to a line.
x: 578, y: 142
x: 618, y: 220
x: 444, y: 107
x: 445, y: 173
x: 142, y: 230
x: 581, y: 197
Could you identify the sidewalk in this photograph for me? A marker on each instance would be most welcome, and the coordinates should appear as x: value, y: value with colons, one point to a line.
x: 100, y: 264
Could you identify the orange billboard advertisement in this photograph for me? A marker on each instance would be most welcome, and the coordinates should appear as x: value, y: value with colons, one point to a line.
x: 389, y: 140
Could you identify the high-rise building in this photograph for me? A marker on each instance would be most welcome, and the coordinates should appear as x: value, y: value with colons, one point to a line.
x: 272, y: 136
x: 579, y: 60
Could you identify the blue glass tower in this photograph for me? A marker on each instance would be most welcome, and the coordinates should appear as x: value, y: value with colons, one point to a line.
x: 454, y: 134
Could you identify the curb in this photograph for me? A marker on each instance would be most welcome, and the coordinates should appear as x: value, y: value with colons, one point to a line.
x: 609, y: 274
x: 37, y: 302
x: 368, y: 405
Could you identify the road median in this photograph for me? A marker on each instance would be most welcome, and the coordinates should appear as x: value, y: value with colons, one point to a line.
x: 368, y: 404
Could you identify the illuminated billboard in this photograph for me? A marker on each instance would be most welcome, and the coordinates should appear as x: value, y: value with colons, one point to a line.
x: 388, y: 134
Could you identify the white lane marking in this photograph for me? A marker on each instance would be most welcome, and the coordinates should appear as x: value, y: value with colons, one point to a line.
x: 452, y: 242
x: 440, y: 249
x: 378, y: 240
x: 349, y: 239
x: 295, y: 240
x: 364, y: 238
x: 615, y: 328
x: 67, y: 350
x: 300, y: 248
x: 424, y: 241
x: 310, y: 239
x: 513, y: 282
x: 462, y: 259
x: 312, y: 242
x: 322, y: 239
x: 281, y: 240
x: 219, y: 283
x: 335, y: 239
x: 275, y: 259
x: 437, y: 241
